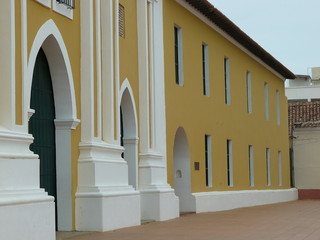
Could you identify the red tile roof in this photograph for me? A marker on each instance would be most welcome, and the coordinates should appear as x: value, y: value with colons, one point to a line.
x: 303, y: 115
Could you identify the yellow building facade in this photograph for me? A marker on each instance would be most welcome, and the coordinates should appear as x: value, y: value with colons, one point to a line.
x: 117, y: 111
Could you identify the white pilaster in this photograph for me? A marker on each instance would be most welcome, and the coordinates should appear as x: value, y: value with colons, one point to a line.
x: 104, y: 200
x: 158, y: 201
x: 26, y: 211
x: 107, y: 77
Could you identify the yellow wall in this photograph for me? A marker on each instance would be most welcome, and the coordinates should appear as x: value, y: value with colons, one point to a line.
x: 187, y: 107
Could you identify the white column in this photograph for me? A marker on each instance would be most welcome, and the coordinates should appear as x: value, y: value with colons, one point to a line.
x: 104, y: 200
x: 152, y: 165
x: 23, y: 205
x: 107, y: 71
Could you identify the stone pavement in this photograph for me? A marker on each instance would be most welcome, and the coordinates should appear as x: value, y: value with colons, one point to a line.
x: 292, y: 220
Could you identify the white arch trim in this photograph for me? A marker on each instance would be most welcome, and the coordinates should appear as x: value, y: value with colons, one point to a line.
x: 50, y: 38
x: 126, y: 86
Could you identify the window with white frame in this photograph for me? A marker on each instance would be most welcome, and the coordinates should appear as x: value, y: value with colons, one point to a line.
x: 278, y: 106
x: 279, y: 168
x: 208, y: 160
x: 205, y: 70
x: 268, y: 166
x: 229, y: 163
x: 251, y: 166
x: 249, y: 92
x: 266, y: 100
x: 178, y: 55
x: 227, y: 80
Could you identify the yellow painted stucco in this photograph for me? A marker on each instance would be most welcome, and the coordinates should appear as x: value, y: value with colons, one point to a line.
x: 187, y: 107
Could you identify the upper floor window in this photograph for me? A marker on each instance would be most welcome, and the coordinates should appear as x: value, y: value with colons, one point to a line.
x: 178, y: 55
x: 249, y: 92
x: 205, y: 70
x: 68, y: 3
x: 227, y: 80
x: 278, y: 106
x: 266, y: 100
x: 121, y: 21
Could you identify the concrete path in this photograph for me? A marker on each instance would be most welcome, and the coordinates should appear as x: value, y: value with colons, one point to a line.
x: 293, y: 220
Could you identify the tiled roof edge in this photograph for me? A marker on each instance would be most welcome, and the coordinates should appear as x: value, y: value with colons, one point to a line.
x: 218, y: 18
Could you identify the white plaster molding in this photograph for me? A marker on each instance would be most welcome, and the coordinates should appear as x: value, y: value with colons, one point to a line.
x: 66, y: 124
x: 50, y: 38
x: 46, y: 3
x: 226, y: 200
x: 103, y: 196
x: 62, y: 9
x: 226, y: 36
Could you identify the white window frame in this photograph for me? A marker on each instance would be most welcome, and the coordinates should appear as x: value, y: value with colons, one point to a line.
x: 227, y: 80
x: 268, y: 166
x: 279, y: 168
x: 62, y: 9
x: 208, y: 160
x: 180, y: 55
x: 251, y: 166
x: 278, y: 107
x: 266, y: 100
x: 230, y: 163
x: 205, y: 69
x: 249, y: 92
x: 46, y: 3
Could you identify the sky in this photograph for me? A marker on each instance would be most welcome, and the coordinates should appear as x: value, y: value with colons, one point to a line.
x: 288, y: 29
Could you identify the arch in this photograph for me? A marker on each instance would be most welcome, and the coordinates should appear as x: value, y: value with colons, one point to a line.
x: 182, y: 172
x: 50, y: 40
x: 129, y: 130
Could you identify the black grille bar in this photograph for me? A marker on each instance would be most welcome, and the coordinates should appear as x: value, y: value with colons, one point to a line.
x: 70, y: 3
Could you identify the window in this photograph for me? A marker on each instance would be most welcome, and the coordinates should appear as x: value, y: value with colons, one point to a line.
x: 268, y: 166
x: 227, y: 80
x: 208, y: 159
x: 69, y: 3
x: 266, y: 100
x: 249, y: 93
x: 121, y: 21
x: 229, y: 163
x: 178, y: 55
x: 251, y: 166
x: 205, y: 70
x: 279, y: 168
x: 278, y: 106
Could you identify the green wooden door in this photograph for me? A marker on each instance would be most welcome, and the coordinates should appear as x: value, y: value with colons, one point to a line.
x: 41, y: 124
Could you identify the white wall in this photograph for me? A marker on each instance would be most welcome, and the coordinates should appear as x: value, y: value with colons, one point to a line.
x: 306, y: 158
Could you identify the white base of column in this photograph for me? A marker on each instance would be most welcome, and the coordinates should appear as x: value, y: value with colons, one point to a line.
x: 31, y: 217
x: 159, y: 205
x: 226, y: 200
x: 107, y: 210
x: 104, y: 200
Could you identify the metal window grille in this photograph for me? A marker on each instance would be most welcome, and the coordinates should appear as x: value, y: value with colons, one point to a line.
x: 69, y: 3
x: 121, y: 21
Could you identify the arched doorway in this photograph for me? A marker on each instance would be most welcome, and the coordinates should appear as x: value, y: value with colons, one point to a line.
x: 49, y: 42
x: 182, y: 173
x: 42, y: 126
x: 128, y: 130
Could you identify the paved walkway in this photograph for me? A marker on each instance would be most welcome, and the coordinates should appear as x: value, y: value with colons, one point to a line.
x: 293, y: 220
